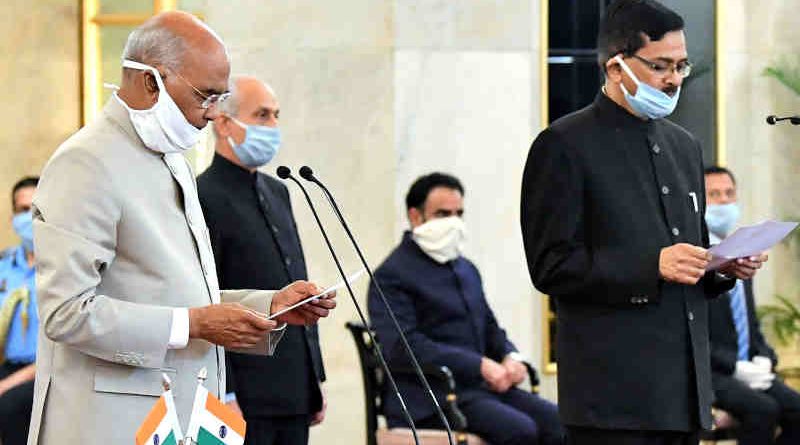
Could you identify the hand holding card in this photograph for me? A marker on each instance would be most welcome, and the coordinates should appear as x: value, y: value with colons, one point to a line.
x: 326, y: 294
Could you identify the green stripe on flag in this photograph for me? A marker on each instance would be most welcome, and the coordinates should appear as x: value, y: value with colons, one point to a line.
x: 206, y: 438
x: 170, y: 440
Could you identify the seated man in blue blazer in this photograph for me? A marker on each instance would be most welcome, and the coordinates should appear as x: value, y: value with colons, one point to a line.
x: 742, y: 363
x: 438, y: 299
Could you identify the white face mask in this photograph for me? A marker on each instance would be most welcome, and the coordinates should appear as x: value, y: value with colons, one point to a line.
x: 442, y: 238
x: 163, y: 127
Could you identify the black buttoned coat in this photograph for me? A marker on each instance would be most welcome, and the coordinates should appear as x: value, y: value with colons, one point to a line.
x: 256, y: 246
x: 603, y: 192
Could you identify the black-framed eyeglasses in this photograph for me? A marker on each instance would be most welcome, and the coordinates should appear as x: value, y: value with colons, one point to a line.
x: 683, y: 68
x: 207, y: 100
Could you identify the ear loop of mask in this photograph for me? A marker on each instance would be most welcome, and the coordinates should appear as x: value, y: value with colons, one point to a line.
x: 141, y: 66
x: 627, y: 69
x: 241, y: 125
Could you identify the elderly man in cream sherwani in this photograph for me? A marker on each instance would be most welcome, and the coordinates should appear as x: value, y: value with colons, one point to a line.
x: 126, y: 276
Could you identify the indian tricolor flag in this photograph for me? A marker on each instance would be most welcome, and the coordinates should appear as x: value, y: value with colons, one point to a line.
x: 161, y: 426
x: 213, y: 423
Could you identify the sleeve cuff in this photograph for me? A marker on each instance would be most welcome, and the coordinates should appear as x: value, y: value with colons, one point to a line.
x: 179, y: 331
x: 516, y: 356
x: 280, y: 328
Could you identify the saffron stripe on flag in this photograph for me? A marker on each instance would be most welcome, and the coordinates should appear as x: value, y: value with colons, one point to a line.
x: 151, y: 422
x: 223, y: 413
x: 206, y: 438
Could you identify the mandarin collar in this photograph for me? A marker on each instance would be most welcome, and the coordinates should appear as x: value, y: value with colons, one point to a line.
x: 231, y: 171
x: 614, y: 114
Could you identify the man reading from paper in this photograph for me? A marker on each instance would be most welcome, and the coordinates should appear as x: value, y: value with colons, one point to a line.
x: 126, y: 276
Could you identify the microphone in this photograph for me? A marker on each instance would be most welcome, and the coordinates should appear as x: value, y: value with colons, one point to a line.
x: 284, y: 173
x: 772, y: 119
x: 308, y: 174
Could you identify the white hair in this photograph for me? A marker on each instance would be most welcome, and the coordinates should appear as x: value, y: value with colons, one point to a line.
x: 154, y: 44
x: 231, y: 106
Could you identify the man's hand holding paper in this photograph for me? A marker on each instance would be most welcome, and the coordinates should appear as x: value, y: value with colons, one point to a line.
x: 744, y: 268
x: 747, y: 246
x: 304, y: 314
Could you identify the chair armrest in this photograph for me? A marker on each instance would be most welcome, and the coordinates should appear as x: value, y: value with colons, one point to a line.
x: 533, y: 375
x: 442, y: 375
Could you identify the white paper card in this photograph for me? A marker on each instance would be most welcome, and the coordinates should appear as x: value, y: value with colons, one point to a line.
x: 749, y: 241
x: 351, y: 279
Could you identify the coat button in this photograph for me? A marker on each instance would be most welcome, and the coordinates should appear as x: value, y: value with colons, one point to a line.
x: 665, y: 190
x: 288, y: 261
x: 691, y: 316
x: 656, y: 149
x: 274, y: 229
x: 675, y: 231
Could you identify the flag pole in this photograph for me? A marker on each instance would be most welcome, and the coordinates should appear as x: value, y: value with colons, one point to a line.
x: 202, y: 376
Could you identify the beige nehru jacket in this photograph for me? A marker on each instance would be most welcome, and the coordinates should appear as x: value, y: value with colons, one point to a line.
x: 120, y: 242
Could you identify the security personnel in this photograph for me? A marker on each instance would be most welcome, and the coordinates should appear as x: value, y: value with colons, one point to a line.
x: 19, y: 321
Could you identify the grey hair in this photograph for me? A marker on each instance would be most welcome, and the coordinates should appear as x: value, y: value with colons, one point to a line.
x: 231, y: 106
x: 154, y: 44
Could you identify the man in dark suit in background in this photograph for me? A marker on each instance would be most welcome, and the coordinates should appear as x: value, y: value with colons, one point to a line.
x: 438, y: 298
x: 742, y: 363
x: 612, y: 221
x: 256, y: 246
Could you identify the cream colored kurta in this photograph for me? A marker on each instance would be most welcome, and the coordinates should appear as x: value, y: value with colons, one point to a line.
x: 120, y: 241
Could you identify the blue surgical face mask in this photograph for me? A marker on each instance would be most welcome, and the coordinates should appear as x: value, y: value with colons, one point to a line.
x: 722, y: 218
x: 23, y: 226
x: 648, y: 101
x: 260, y: 144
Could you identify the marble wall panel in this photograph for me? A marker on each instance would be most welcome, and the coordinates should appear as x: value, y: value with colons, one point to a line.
x: 41, y: 107
x: 304, y: 23
x: 500, y: 25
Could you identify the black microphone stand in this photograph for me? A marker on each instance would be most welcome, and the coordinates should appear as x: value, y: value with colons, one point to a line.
x: 284, y: 173
x: 308, y: 174
x: 774, y: 120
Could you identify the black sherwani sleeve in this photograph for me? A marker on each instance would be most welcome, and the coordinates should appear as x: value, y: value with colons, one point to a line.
x: 559, y: 262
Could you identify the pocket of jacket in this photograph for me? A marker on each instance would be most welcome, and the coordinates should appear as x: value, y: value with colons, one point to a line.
x: 129, y: 380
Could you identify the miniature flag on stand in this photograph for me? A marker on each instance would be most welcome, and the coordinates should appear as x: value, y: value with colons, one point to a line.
x: 161, y: 426
x: 213, y: 423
